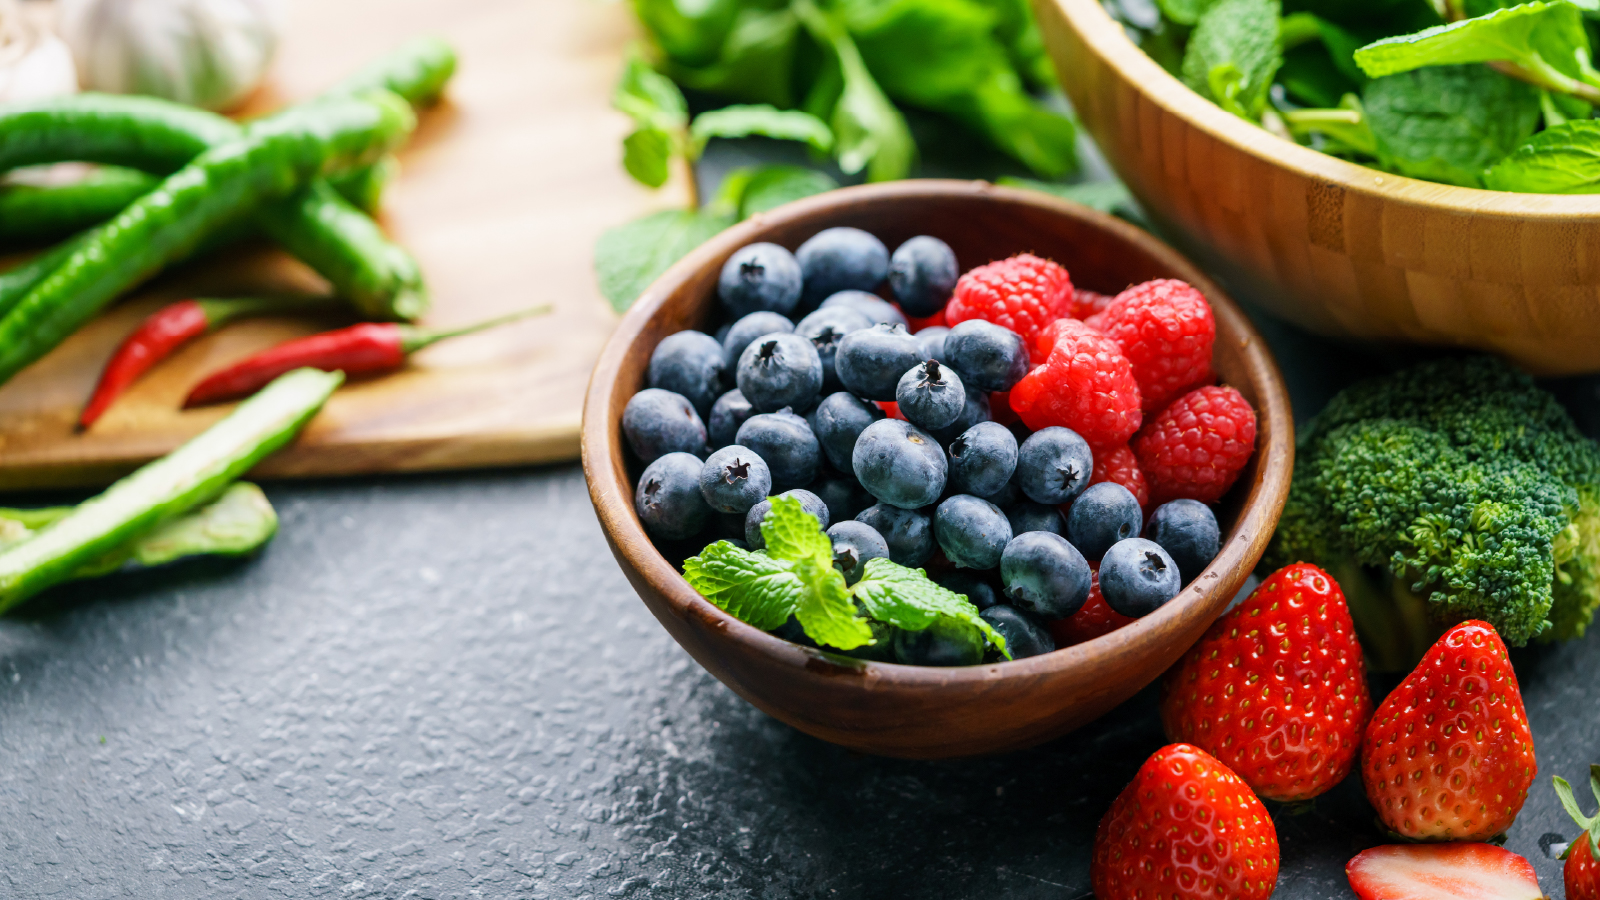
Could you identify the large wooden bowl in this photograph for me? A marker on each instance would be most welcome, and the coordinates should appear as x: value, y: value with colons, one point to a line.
x: 1336, y: 247
x: 912, y: 711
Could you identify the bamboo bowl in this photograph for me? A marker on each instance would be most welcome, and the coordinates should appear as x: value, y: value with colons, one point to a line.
x: 911, y: 711
x: 1335, y: 247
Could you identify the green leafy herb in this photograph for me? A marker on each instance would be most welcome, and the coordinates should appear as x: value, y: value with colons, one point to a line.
x: 628, y: 257
x: 1449, y: 123
x: 756, y: 189
x: 871, y: 134
x: 1234, y: 53
x: 760, y: 120
x: 1562, y: 159
x: 908, y: 599
x: 1185, y: 12
x: 755, y: 63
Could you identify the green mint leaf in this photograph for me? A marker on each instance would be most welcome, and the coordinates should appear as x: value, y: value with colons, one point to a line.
x: 754, y: 189
x: 1233, y: 54
x: 1184, y: 12
x: 751, y: 587
x: 824, y: 609
x: 1548, y: 39
x: 647, y: 154
x: 794, y: 535
x: 1449, y: 123
x: 908, y: 599
x: 761, y: 120
x: 755, y: 63
x: 690, y: 33
x: 869, y: 131
x: 1311, y: 78
x: 628, y: 257
x: 1344, y: 130
x: 1562, y: 159
x: 650, y: 98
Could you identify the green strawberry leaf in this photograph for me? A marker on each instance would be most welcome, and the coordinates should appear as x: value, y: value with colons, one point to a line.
x: 1562, y: 159
x: 908, y: 599
x: 760, y: 120
x: 1449, y: 123
x: 1233, y: 54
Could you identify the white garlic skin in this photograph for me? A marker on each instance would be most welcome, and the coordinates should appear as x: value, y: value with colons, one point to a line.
x: 206, y: 53
x: 34, y: 64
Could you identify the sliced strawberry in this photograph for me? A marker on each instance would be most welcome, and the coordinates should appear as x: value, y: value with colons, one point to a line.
x: 1442, y: 872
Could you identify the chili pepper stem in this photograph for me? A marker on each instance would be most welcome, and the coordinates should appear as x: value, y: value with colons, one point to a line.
x: 413, y: 339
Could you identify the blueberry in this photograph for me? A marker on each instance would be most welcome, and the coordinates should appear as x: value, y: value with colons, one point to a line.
x: 909, y: 532
x: 987, y: 356
x: 853, y: 544
x: 668, y: 498
x: 875, y: 308
x: 899, y: 463
x: 1137, y: 577
x: 946, y: 642
x: 930, y: 396
x: 1045, y: 576
x: 779, y: 370
x: 922, y: 273
x: 880, y: 650
x: 727, y: 414
x: 760, y: 277
x: 825, y: 328
x: 970, y: 583
x: 809, y: 502
x: 837, y: 422
x: 972, y: 532
x: 982, y: 459
x: 1010, y: 496
x: 871, y: 361
x: 844, y: 498
x: 747, y: 329
x: 1024, y: 637
x: 976, y: 410
x: 1102, y: 515
x: 1187, y: 530
x: 1054, y: 465
x: 730, y: 526
x: 658, y: 422
x: 793, y: 632
x: 785, y: 441
x: 1030, y: 516
x: 840, y: 259
x: 931, y: 339
x: 734, y: 479
x: 690, y: 363
x: 722, y: 331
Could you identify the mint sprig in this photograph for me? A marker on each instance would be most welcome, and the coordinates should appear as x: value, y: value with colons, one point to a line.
x: 795, y: 576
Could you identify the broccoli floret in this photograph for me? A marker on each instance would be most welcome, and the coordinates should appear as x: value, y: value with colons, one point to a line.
x: 1459, y: 481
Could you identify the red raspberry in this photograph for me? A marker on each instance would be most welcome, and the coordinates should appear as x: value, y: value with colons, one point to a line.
x: 1096, y: 321
x: 1196, y: 448
x: 929, y: 322
x: 1086, y: 384
x: 1087, y: 303
x: 1092, y: 620
x: 1000, y: 408
x: 1023, y: 293
x: 1121, y: 466
x: 1166, y: 330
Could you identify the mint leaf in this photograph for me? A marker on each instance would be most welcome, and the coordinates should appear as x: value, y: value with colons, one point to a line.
x: 824, y: 609
x: 908, y: 599
x: 751, y: 587
x: 1547, y: 39
x: 792, y: 534
x: 688, y: 32
x: 869, y: 132
x: 1184, y: 12
x: 762, y: 120
x: 628, y: 257
x: 1449, y: 123
x: 1562, y: 159
x: 768, y: 187
x: 646, y: 155
x: 1233, y: 54
x: 649, y: 98
x: 755, y: 63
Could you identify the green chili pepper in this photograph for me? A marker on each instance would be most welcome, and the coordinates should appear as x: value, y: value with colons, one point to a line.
x: 274, y: 157
x: 163, y: 490
x: 34, y: 214
x: 416, y: 70
x: 364, y: 187
x: 18, y: 281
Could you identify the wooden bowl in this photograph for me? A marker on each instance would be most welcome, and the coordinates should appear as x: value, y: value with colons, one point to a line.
x: 1333, y: 246
x: 912, y: 711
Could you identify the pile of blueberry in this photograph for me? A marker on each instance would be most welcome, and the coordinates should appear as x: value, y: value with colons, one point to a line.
x: 817, y: 388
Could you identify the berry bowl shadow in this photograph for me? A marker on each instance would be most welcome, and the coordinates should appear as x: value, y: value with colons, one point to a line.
x: 912, y: 711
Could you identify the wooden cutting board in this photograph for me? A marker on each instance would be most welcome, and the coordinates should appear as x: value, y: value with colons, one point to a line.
x: 503, y: 190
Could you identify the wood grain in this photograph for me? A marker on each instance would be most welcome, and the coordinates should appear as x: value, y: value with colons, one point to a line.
x: 503, y: 191
x: 911, y: 711
x: 1336, y: 247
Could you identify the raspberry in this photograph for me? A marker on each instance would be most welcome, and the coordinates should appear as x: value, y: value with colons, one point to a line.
x: 1086, y: 384
x: 1087, y: 303
x: 1023, y: 293
x: 1096, y: 321
x: 1092, y: 620
x: 1196, y: 448
x: 1166, y: 331
x: 1119, y: 465
x: 928, y: 322
x: 1000, y: 408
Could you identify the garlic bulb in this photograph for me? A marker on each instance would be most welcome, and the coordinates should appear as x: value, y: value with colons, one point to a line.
x: 34, y: 63
x: 207, y: 53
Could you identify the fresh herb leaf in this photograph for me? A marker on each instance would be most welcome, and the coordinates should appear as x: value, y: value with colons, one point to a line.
x: 763, y: 121
x: 1562, y: 159
x: 755, y: 64
x: 1185, y: 12
x: 1343, y: 130
x: 760, y: 188
x: 1449, y: 123
x: 649, y: 98
x: 825, y: 609
x: 752, y: 587
x: 1310, y: 77
x: 870, y: 133
x: 1233, y: 54
x: 792, y: 534
x: 690, y: 31
x: 908, y: 599
x: 628, y: 257
x: 647, y: 156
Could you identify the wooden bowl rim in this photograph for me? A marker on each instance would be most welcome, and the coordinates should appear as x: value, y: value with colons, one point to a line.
x: 1107, y: 40
x: 612, y: 496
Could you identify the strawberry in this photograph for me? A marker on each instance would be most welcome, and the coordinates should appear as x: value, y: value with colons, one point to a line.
x: 1277, y: 688
x: 1582, y: 872
x: 1442, y: 872
x: 1448, y: 756
x: 1185, y: 826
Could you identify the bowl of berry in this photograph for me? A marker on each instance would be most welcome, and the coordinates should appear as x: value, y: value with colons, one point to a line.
x: 936, y: 468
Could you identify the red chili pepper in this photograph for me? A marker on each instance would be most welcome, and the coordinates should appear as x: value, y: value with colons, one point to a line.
x: 167, y: 329
x: 363, y: 349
